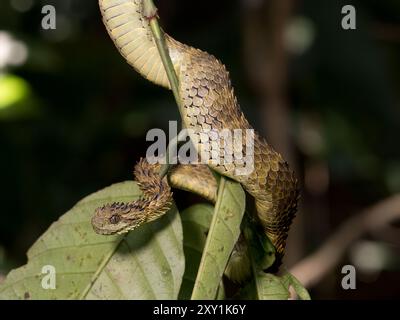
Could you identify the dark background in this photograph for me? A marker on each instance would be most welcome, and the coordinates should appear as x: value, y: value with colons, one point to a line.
x: 74, y: 115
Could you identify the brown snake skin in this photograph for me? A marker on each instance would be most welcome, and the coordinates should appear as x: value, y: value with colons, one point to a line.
x: 209, y: 104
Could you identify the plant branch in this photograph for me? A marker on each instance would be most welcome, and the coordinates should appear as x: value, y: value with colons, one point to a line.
x: 150, y: 13
x: 171, y: 150
x: 223, y: 233
x: 313, y: 268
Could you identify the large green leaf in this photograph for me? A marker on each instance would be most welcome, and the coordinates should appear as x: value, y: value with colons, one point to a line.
x: 196, y: 221
x: 267, y: 286
x: 148, y: 263
x: 290, y: 280
x: 270, y: 287
x: 223, y: 234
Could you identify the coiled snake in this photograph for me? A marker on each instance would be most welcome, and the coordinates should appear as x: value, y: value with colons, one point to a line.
x: 209, y: 103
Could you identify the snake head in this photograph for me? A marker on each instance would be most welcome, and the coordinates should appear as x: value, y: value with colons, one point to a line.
x: 109, y: 219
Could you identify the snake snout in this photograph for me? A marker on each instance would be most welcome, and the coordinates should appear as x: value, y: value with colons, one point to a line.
x: 101, y: 220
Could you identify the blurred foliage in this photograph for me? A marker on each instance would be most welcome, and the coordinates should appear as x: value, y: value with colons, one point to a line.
x: 74, y: 116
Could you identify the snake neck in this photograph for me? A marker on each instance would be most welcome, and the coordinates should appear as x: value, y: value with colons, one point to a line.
x: 131, y: 33
x: 156, y: 200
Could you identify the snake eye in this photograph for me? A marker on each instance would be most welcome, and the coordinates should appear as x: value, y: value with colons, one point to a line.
x: 114, y: 219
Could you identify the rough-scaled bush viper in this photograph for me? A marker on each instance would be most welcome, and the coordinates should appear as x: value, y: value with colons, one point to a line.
x: 209, y: 107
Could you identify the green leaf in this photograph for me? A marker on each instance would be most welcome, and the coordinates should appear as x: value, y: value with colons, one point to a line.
x: 267, y: 286
x: 270, y: 287
x: 223, y: 234
x: 148, y: 263
x: 297, y: 286
x: 196, y: 221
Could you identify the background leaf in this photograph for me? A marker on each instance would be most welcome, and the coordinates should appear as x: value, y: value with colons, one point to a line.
x: 297, y: 286
x: 148, y: 263
x: 223, y: 234
x: 266, y: 286
x: 270, y: 287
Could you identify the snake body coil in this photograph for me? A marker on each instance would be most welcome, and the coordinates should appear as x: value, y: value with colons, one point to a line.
x: 210, y: 105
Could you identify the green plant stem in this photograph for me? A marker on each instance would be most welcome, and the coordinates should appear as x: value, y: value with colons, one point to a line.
x: 223, y: 233
x: 171, y: 149
x: 199, y: 291
x: 150, y: 12
x: 249, y: 236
